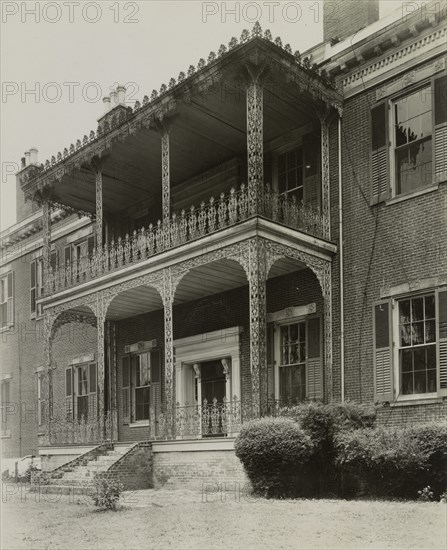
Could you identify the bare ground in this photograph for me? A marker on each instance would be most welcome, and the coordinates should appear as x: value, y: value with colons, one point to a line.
x: 182, y: 519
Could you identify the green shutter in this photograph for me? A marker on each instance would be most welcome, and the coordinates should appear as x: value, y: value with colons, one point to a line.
x: 314, y: 363
x: 383, y: 360
x: 442, y: 342
x: 440, y: 129
x: 379, y: 153
x: 125, y: 392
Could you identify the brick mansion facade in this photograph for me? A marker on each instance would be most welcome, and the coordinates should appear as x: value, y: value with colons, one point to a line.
x: 268, y: 227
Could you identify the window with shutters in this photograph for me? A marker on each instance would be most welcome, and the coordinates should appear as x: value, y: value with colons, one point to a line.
x: 409, y: 141
x: 410, y: 347
x: 7, y: 300
x: 36, y: 290
x: 412, y: 141
x: 297, y: 356
x: 417, y: 345
x: 140, y: 386
x: 81, y: 392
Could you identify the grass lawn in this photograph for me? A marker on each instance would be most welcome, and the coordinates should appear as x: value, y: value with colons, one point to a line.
x: 179, y: 519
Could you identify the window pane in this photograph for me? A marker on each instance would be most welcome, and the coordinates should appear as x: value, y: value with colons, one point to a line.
x: 405, y: 335
x: 417, y: 333
x: 430, y: 331
x: 430, y: 307
x: 420, y: 382
x: 406, y: 361
x: 407, y: 383
x: 417, y: 310
x: 294, y: 354
x: 293, y: 333
x: 404, y: 311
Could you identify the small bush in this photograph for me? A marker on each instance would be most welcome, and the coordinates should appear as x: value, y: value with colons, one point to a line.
x: 425, y: 494
x: 275, y: 453
x: 106, y: 494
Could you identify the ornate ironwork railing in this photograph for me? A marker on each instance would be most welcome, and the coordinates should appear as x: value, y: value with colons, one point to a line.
x: 209, y: 419
x: 80, y: 431
x: 210, y: 217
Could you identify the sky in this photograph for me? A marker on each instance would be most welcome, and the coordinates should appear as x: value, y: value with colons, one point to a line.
x: 59, y: 59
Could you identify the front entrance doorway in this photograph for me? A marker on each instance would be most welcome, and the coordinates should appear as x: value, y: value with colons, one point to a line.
x: 213, y: 394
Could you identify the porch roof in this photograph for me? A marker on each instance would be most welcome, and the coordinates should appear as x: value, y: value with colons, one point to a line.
x: 130, y: 151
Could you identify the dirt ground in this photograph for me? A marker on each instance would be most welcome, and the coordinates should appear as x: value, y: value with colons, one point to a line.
x: 184, y: 519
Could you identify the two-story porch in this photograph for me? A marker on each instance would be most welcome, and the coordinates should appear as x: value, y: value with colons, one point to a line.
x: 223, y: 306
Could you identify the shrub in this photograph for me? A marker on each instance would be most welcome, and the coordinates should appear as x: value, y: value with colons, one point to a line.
x: 322, y: 422
x: 388, y: 461
x: 432, y: 440
x: 425, y: 494
x: 275, y: 453
x: 106, y: 494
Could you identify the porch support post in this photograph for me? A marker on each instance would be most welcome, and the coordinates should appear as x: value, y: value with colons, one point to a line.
x: 255, y: 145
x: 47, y: 351
x: 100, y: 318
x: 46, y: 244
x: 257, y: 288
x: 325, y: 175
x: 165, y: 177
x: 327, y: 295
x: 169, y: 350
x: 99, y: 213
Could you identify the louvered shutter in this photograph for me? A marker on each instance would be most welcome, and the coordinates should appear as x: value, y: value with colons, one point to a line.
x: 155, y: 392
x: 442, y: 342
x: 90, y: 246
x: 312, y: 185
x: 92, y: 385
x: 67, y: 255
x: 33, y: 286
x: 53, y: 260
x: 440, y: 131
x: 383, y: 362
x: 125, y: 392
x: 314, y: 361
x: 10, y: 297
x: 379, y: 154
x: 69, y: 393
x: 270, y: 362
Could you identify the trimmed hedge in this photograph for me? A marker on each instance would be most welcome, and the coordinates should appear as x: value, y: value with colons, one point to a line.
x: 316, y: 449
x: 275, y: 452
x: 396, y: 462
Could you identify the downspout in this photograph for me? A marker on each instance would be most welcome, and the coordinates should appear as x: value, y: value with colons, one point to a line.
x: 342, y: 297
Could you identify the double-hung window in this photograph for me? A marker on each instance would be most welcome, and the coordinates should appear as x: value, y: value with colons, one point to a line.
x: 412, y: 140
x: 410, y: 346
x: 292, y: 369
x: 409, y: 140
x: 7, y: 300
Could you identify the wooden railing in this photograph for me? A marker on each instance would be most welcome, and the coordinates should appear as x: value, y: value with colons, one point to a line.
x: 189, y: 226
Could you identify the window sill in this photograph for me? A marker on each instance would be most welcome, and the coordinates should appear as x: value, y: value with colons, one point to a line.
x: 429, y: 400
x: 407, y: 196
x: 141, y: 424
x: 7, y: 328
x: 6, y: 435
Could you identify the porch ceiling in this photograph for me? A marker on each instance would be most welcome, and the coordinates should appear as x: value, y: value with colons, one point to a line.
x: 202, y: 281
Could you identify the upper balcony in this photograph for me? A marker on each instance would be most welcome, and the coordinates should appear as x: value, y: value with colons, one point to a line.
x: 253, y: 113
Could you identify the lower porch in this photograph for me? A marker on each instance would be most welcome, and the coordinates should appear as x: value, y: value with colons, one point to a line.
x: 232, y: 359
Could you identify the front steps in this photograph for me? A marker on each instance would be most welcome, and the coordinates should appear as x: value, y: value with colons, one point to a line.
x: 129, y: 464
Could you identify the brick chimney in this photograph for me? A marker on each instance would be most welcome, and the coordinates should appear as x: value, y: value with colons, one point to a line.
x: 345, y: 17
x: 29, y: 163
